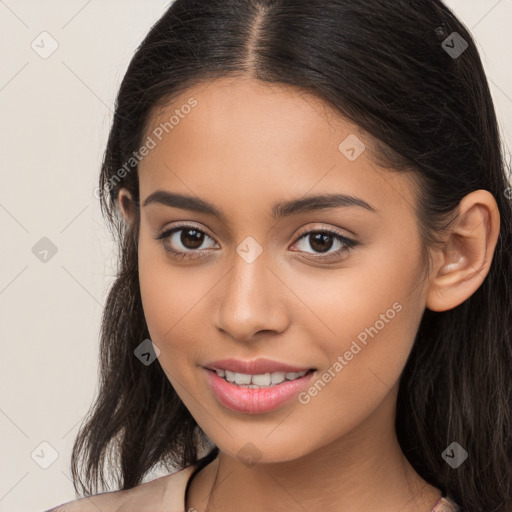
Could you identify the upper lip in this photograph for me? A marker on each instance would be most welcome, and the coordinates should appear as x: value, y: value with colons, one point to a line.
x: 255, y: 367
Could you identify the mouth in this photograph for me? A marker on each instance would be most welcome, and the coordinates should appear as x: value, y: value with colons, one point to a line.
x: 255, y: 367
x: 259, y: 381
x: 257, y: 393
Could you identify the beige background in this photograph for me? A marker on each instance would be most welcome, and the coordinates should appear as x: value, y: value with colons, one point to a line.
x: 55, y: 115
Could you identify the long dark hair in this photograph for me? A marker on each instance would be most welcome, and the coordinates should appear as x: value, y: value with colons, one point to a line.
x: 395, y: 69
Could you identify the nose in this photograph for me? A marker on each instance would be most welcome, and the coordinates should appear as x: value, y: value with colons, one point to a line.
x: 253, y: 299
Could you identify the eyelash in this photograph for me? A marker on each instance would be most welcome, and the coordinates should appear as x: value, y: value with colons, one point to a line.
x: 348, y: 244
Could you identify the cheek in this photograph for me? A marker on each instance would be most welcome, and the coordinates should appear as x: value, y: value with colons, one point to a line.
x: 173, y: 300
x: 162, y: 293
x: 165, y: 311
x: 361, y: 370
x: 372, y: 300
x: 369, y: 318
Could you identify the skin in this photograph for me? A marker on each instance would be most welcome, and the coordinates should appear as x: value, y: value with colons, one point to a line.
x: 245, y: 146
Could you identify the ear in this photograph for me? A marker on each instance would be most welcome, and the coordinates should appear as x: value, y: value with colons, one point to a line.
x: 126, y: 205
x: 464, y: 261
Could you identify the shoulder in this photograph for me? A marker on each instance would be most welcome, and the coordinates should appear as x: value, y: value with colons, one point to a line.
x: 165, y: 494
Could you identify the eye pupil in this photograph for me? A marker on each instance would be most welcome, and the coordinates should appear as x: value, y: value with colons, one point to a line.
x: 320, y: 239
x: 196, y: 238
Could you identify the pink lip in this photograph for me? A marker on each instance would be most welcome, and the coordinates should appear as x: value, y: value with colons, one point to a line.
x: 252, y: 400
x: 255, y: 367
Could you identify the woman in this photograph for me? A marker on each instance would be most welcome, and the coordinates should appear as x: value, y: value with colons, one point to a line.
x: 315, y: 238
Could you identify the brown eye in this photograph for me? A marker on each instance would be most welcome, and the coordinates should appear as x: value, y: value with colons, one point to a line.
x: 191, y: 238
x: 321, y: 241
x: 188, y: 241
x: 184, y: 241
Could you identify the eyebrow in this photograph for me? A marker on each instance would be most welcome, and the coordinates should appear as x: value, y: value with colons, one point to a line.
x: 279, y: 210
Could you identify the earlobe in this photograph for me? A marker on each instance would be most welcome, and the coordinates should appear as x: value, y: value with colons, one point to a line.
x: 465, y: 260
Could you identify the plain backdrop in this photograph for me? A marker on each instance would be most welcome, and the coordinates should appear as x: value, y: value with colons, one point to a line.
x: 55, y: 116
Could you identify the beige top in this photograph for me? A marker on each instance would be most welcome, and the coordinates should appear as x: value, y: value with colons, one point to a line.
x: 164, y: 494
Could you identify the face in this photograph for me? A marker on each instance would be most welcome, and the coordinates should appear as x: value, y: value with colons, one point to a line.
x: 336, y: 289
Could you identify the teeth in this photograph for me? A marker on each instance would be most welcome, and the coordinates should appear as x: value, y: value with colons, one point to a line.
x: 258, y: 381
x: 293, y: 376
x: 277, y: 377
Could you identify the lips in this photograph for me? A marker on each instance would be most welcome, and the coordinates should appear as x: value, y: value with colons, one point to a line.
x: 248, y: 400
x: 255, y: 367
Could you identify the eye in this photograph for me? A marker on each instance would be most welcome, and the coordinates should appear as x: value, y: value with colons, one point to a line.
x: 323, y: 240
x: 189, y: 242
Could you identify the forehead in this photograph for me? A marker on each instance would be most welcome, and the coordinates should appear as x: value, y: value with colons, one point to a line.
x: 243, y: 137
x: 238, y: 97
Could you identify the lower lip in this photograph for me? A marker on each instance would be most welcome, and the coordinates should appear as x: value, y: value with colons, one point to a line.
x: 254, y: 400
